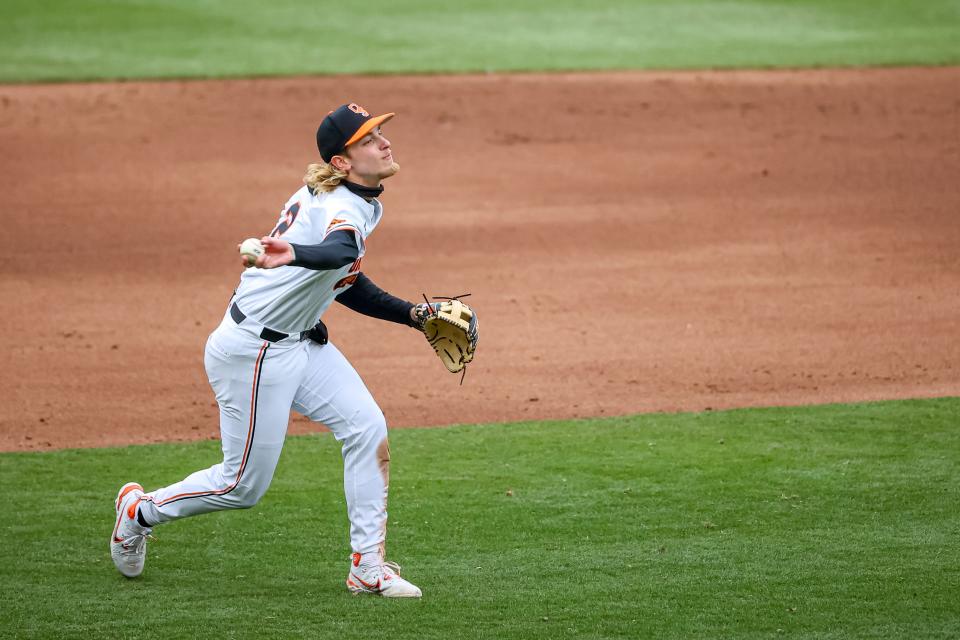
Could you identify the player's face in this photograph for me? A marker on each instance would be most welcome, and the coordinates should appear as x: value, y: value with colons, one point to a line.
x: 371, y: 159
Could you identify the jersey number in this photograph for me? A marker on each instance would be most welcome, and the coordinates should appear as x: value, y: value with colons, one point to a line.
x: 288, y: 217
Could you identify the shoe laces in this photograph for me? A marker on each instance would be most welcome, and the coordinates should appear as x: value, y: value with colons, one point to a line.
x: 385, y: 566
x: 136, y: 543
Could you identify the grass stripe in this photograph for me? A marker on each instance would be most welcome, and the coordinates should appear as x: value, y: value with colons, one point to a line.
x: 112, y: 39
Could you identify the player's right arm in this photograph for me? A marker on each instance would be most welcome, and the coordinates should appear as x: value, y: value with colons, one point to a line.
x: 337, y: 250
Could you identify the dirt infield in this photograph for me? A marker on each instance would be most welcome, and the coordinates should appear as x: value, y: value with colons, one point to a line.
x: 633, y: 242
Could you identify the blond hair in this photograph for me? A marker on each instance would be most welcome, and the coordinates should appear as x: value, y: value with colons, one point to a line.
x: 322, y: 177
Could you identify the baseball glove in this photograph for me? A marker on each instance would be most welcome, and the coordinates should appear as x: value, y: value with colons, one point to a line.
x: 451, y: 329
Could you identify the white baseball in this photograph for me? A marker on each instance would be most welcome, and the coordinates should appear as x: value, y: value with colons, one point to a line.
x: 251, y: 248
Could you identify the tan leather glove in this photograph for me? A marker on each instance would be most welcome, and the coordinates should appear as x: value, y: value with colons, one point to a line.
x: 451, y: 329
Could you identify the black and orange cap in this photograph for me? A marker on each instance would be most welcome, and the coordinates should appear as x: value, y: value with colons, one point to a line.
x: 343, y: 126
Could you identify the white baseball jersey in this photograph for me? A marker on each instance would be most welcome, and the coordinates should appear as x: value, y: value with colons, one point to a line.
x: 258, y: 381
x: 292, y: 299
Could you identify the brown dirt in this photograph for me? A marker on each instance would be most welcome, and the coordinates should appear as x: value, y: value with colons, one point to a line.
x: 633, y: 242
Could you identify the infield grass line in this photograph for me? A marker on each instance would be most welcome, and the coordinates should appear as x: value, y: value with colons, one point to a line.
x: 69, y: 40
x: 818, y: 522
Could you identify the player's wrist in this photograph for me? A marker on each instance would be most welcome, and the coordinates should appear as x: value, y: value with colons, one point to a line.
x: 420, y: 313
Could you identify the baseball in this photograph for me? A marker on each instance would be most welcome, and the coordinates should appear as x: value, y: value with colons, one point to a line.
x: 251, y: 248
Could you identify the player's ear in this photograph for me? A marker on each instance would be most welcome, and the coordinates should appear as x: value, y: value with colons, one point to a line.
x: 340, y: 163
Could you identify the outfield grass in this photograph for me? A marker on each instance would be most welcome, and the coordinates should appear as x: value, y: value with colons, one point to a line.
x: 821, y: 522
x: 110, y: 39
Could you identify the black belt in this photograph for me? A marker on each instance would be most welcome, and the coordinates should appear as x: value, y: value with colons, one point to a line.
x: 267, y: 334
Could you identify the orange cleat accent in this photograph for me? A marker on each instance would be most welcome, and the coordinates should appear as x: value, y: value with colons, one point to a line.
x: 128, y: 543
x: 381, y: 579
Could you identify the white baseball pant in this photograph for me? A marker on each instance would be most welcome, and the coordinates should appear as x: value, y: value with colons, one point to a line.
x: 256, y: 384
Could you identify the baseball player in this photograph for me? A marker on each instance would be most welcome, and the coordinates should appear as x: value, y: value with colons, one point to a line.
x: 270, y: 354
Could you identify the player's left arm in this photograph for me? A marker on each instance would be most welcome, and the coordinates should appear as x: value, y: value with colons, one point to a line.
x: 450, y: 327
x: 368, y: 299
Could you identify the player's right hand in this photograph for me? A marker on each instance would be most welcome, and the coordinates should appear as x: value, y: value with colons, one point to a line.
x: 276, y: 253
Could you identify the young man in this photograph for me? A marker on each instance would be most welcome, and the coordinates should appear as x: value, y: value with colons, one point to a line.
x: 270, y: 354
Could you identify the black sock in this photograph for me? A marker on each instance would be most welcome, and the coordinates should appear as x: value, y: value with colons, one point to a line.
x: 143, y: 523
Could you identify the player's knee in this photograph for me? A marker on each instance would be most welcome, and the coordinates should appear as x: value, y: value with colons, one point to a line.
x: 370, y: 429
x: 374, y: 426
x: 377, y: 425
x: 245, y: 497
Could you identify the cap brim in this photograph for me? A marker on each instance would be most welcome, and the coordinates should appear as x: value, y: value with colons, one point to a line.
x: 368, y: 126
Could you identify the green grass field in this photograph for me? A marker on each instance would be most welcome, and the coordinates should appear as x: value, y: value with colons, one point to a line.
x: 108, y: 39
x: 818, y: 522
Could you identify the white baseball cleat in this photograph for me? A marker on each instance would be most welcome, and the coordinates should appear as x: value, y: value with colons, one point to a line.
x: 128, y: 542
x: 381, y: 579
